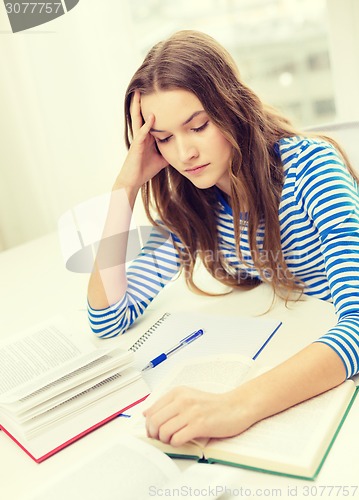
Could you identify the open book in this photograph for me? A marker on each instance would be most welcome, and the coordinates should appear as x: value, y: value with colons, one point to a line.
x: 130, y: 469
x: 294, y: 442
x: 56, y: 386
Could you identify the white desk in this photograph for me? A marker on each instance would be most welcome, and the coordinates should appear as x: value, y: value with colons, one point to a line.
x: 35, y: 285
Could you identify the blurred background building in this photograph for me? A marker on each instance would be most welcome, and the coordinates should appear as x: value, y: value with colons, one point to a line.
x: 281, y: 46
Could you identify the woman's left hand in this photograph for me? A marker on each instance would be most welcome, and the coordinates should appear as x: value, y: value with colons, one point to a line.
x: 185, y: 413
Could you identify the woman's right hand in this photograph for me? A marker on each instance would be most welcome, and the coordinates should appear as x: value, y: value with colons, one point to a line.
x: 143, y: 160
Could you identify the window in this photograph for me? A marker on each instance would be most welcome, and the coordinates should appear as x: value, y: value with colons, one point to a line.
x: 280, y: 46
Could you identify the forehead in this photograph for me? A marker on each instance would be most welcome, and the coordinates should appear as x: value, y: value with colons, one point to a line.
x: 170, y: 107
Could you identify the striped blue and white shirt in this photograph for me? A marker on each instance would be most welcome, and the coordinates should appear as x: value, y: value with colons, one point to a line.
x: 319, y: 224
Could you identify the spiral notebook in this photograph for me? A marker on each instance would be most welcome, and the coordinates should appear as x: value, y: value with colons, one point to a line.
x: 222, y: 335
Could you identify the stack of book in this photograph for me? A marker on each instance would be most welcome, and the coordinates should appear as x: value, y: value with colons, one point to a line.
x: 56, y: 385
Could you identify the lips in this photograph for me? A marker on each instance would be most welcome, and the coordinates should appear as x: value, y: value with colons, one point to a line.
x: 196, y: 168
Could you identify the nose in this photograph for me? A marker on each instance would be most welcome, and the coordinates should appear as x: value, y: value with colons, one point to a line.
x: 187, y: 151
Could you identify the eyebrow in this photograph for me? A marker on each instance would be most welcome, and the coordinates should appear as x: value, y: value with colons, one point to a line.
x: 193, y: 115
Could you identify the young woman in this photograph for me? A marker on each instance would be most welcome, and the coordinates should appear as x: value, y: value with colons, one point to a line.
x: 234, y: 184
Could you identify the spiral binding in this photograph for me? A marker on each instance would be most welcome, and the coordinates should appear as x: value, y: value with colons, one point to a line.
x: 139, y: 343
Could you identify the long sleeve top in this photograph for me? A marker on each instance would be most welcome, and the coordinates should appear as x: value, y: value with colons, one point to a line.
x: 319, y: 226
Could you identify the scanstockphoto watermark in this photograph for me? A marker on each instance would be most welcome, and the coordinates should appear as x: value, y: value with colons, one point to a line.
x: 82, y: 238
x: 81, y: 247
x: 212, y: 491
x: 289, y: 491
x: 25, y: 15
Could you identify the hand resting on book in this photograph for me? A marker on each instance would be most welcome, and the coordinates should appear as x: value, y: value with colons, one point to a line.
x: 184, y: 414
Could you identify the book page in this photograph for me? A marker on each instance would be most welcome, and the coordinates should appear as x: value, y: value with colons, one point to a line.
x: 98, y: 370
x: 29, y: 412
x: 42, y: 355
x: 298, y: 436
x: 127, y: 469
x: 78, y: 403
x: 34, y: 355
x: 212, y: 374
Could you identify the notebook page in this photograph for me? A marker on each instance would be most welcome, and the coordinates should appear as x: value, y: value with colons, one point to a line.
x: 222, y: 335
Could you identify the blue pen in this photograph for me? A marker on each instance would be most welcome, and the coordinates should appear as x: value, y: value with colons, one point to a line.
x: 162, y: 357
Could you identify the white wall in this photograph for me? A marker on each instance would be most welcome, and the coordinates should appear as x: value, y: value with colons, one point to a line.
x: 343, y: 16
x: 61, y: 118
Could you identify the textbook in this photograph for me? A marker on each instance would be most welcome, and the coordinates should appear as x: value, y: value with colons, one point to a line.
x: 294, y: 442
x: 56, y: 386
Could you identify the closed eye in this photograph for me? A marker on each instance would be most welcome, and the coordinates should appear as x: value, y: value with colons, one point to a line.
x: 202, y: 127
x: 166, y: 139
x: 198, y: 129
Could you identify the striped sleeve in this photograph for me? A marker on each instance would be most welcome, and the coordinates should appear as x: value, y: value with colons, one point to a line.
x: 157, y: 263
x: 330, y: 197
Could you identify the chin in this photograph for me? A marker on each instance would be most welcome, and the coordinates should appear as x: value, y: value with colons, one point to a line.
x: 203, y: 185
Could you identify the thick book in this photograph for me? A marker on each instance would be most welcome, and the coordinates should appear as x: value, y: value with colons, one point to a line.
x: 294, y: 442
x: 56, y: 386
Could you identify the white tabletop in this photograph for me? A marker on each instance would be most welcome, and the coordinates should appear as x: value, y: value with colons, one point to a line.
x: 35, y: 285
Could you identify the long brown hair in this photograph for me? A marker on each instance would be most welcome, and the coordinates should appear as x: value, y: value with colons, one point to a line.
x: 195, y: 62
